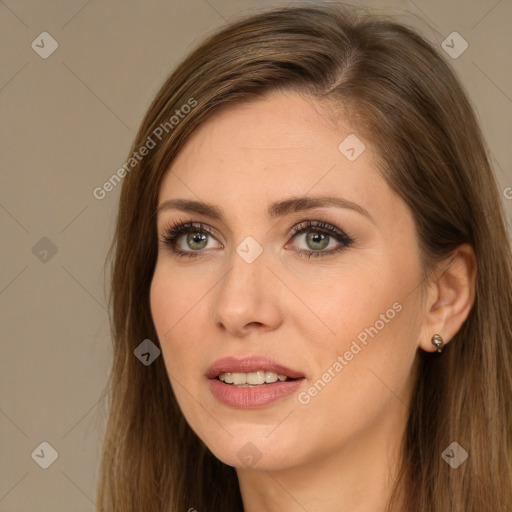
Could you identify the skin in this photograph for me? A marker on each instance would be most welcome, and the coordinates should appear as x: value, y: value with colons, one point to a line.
x: 339, y: 451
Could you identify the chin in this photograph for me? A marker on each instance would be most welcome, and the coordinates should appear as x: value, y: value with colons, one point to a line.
x: 258, y: 452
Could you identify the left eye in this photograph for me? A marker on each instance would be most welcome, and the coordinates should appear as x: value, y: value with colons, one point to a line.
x: 315, y: 240
x: 318, y: 236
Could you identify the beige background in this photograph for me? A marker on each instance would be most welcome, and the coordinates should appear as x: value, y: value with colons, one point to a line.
x: 67, y: 125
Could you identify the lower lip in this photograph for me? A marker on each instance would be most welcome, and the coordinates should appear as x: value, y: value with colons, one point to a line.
x: 251, y: 398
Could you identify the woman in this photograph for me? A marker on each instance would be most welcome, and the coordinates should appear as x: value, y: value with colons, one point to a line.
x: 312, y: 236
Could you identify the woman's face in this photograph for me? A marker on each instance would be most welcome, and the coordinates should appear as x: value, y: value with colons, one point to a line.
x: 336, y: 306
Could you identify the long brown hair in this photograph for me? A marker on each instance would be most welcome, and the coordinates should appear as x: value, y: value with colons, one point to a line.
x: 432, y: 153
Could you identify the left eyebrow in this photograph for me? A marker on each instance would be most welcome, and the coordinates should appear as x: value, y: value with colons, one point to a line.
x: 276, y: 209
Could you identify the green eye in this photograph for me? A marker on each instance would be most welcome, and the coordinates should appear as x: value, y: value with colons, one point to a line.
x: 319, y: 234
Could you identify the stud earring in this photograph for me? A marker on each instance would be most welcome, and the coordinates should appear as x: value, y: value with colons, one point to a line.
x: 438, y: 341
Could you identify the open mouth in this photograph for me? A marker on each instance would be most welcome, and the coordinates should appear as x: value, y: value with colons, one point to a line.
x: 252, y: 382
x: 253, y: 379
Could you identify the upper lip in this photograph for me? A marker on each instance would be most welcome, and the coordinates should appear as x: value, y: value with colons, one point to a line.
x: 248, y: 365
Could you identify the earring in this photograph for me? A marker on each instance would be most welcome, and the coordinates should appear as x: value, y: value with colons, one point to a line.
x: 438, y: 341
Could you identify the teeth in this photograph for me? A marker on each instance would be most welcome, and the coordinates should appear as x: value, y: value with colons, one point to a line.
x: 252, y: 379
x: 271, y: 377
x: 256, y: 378
x: 239, y: 378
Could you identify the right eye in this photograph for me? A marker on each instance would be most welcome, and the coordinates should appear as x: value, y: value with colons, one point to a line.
x: 196, y: 238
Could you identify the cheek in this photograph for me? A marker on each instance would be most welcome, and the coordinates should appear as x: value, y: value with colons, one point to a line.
x: 175, y: 308
x: 347, y: 302
x: 175, y: 301
x: 176, y: 295
x: 364, y: 377
x: 371, y: 319
x: 367, y: 367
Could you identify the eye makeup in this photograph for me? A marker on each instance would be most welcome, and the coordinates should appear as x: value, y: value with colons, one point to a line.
x: 321, y: 231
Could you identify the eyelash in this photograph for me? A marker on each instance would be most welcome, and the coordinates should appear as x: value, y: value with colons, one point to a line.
x: 174, y: 230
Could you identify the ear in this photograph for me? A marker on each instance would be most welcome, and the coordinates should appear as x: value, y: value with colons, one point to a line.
x: 450, y: 297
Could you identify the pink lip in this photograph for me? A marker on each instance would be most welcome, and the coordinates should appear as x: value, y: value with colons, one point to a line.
x: 251, y: 397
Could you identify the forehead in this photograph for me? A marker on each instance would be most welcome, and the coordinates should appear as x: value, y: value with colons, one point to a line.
x: 265, y: 150
x: 281, y: 123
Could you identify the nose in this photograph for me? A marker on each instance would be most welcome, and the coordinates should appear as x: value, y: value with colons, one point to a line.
x: 247, y: 297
